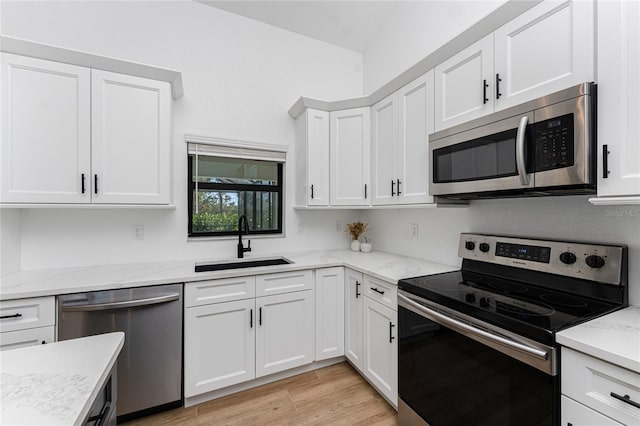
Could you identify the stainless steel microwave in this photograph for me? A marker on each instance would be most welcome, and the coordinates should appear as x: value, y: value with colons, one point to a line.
x: 542, y: 147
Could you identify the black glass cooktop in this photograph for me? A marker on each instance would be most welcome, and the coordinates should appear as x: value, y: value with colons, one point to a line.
x: 529, y: 310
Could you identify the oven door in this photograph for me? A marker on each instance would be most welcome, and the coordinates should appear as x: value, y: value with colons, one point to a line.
x: 450, y: 372
x: 494, y: 157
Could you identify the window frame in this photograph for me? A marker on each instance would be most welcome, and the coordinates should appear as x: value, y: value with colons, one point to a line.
x: 191, y: 185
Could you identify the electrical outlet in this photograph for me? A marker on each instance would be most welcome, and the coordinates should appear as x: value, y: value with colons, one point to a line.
x: 137, y: 232
x: 338, y: 226
x: 414, y: 231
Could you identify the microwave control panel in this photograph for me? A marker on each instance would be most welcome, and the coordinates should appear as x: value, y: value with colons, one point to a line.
x: 554, y: 143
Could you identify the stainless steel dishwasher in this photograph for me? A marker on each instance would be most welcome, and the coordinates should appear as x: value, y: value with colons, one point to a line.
x: 150, y: 363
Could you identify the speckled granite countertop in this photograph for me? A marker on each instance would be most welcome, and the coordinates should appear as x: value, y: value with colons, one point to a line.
x: 55, y: 384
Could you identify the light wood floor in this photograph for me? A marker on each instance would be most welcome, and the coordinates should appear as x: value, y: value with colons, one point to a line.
x: 334, y: 395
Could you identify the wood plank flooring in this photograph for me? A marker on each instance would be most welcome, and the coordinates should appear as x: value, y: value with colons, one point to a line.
x: 334, y: 395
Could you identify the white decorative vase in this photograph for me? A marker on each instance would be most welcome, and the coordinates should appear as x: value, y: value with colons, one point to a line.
x: 365, y: 247
x: 355, y: 245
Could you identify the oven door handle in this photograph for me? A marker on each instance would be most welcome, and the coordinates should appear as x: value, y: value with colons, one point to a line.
x: 468, y: 329
x: 521, y: 164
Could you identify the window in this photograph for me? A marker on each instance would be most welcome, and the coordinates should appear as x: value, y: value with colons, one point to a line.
x: 222, y: 188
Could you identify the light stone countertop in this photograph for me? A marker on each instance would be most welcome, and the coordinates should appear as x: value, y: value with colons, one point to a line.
x: 385, y: 266
x: 55, y: 384
x: 614, y: 338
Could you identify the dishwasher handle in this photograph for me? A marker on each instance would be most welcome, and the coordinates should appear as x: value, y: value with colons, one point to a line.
x: 122, y: 305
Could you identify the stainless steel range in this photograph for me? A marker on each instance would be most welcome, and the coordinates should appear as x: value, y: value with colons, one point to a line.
x: 477, y: 346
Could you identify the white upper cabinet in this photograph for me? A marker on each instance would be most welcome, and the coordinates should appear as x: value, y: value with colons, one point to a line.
x: 312, y: 158
x: 619, y: 99
x: 400, y: 127
x: 73, y: 135
x: 46, y: 131
x: 131, y: 139
x: 463, y: 85
x: 350, y: 162
x: 548, y: 48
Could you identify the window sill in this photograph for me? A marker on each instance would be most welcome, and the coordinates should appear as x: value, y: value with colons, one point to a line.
x: 235, y: 237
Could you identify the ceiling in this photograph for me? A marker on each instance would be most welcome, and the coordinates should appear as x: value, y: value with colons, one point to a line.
x: 349, y: 24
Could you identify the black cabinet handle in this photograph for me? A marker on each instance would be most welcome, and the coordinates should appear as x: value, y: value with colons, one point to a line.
x: 357, y: 292
x: 484, y: 92
x: 365, y: 191
x: 392, y: 187
x: 626, y: 399
x: 377, y: 291
x: 95, y: 183
x: 18, y: 315
x: 398, y: 186
x: 251, y: 318
x: 312, y: 192
x: 498, y: 80
x: 82, y: 181
x: 260, y: 315
x: 391, y: 332
x: 605, y: 161
x: 44, y: 342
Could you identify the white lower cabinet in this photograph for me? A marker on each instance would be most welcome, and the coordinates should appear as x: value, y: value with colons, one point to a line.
x: 284, y: 335
x: 27, y: 322
x: 576, y: 414
x: 381, y: 347
x: 329, y: 319
x: 24, y: 338
x: 353, y: 316
x: 232, y: 337
x: 371, y: 331
x: 219, y: 346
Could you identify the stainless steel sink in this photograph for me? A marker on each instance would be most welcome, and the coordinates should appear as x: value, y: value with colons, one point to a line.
x: 241, y: 264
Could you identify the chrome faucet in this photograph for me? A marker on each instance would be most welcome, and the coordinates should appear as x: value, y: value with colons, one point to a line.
x: 241, y: 248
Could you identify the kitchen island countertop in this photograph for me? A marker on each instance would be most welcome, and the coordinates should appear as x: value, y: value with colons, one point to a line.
x: 55, y: 384
x: 51, y: 282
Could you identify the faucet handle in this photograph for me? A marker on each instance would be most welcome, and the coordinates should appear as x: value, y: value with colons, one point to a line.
x: 248, y: 246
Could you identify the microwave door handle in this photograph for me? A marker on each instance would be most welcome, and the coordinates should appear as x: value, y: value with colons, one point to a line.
x: 520, y: 161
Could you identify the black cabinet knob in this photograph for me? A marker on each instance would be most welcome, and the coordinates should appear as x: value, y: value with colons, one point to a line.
x: 469, y: 245
x: 567, y: 258
x: 594, y: 261
x: 470, y: 297
x: 484, y: 247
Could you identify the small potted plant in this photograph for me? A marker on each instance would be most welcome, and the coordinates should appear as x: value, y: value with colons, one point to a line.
x: 356, y: 229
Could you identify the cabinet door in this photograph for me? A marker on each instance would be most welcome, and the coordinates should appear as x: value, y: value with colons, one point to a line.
x: 317, y: 158
x: 353, y: 315
x: 131, y: 139
x: 619, y: 97
x: 460, y: 85
x: 415, y: 104
x: 381, y: 348
x: 350, y: 147
x: 574, y: 413
x: 46, y: 130
x: 548, y: 48
x: 219, y: 346
x: 284, y: 337
x: 384, y: 147
x: 24, y: 338
x: 329, y: 301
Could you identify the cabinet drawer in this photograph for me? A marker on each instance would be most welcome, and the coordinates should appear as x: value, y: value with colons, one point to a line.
x: 216, y: 291
x: 22, y: 314
x: 283, y: 282
x: 594, y: 383
x: 574, y: 413
x: 381, y: 291
x: 24, y: 338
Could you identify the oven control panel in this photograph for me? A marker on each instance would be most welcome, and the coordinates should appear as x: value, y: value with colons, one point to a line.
x: 595, y: 262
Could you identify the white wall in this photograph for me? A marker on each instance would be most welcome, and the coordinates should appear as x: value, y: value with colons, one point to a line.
x: 240, y: 78
x: 10, y: 226
x: 414, y: 32
x: 556, y: 218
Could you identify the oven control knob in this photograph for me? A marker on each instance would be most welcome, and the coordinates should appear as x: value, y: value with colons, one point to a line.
x: 484, y: 247
x: 470, y: 297
x: 484, y: 302
x: 594, y: 261
x: 567, y: 258
x: 469, y: 245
